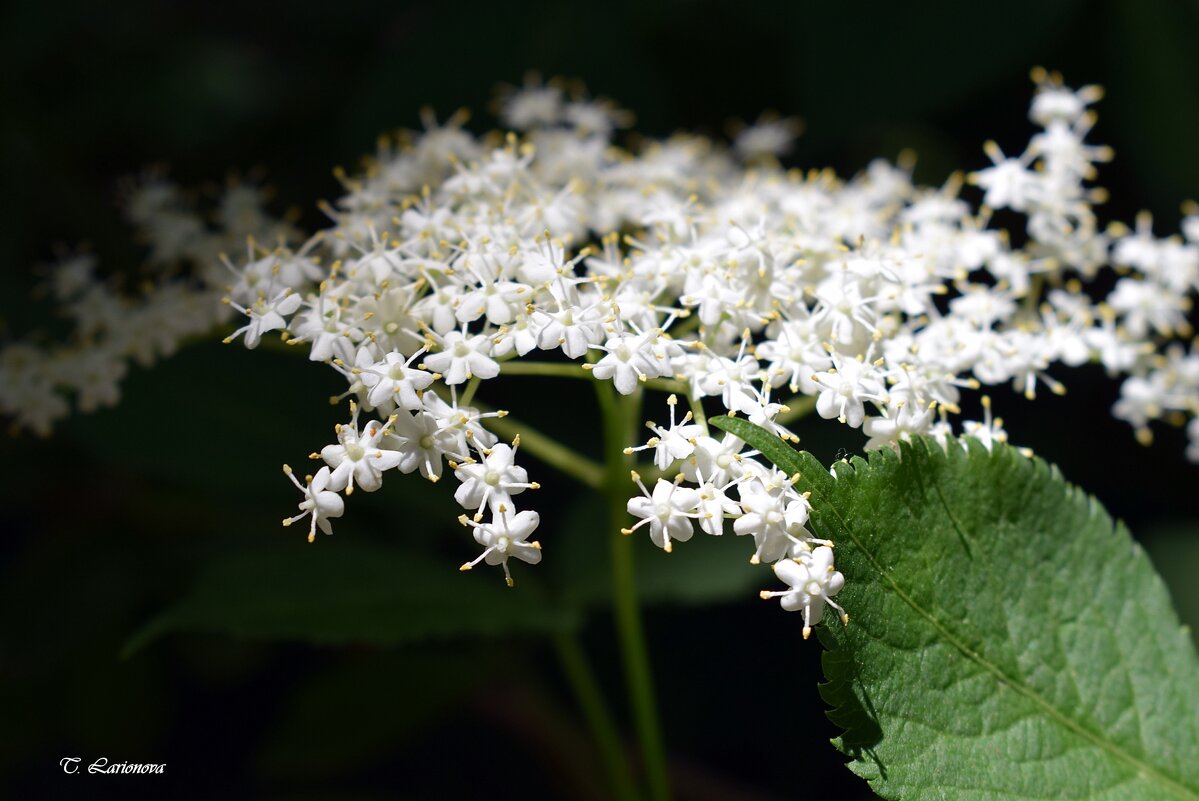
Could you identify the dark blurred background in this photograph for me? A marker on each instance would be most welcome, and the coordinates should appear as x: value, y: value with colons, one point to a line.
x: 121, y: 513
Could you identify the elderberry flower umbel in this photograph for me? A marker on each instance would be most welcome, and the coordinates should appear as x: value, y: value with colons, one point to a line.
x: 705, y: 271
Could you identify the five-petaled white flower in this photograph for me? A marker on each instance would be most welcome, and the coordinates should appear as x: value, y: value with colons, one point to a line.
x: 630, y: 358
x: 504, y: 537
x: 462, y: 358
x: 492, y: 481
x: 814, y: 581
x: 676, y: 441
x: 320, y: 503
x: 394, y: 379
x: 357, y: 456
x: 266, y: 314
x: 775, y: 519
x: 668, y: 512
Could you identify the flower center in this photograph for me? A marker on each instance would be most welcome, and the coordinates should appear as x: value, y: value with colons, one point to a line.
x: 354, y: 451
x: 426, y: 442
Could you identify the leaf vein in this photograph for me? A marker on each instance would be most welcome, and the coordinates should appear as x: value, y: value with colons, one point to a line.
x: 1139, y: 766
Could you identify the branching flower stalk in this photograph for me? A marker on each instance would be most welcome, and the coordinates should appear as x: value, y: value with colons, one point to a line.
x: 706, y: 273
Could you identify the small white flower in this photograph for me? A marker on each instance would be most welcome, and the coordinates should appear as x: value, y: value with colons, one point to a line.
x: 814, y: 581
x: 989, y: 431
x: 500, y: 301
x: 844, y: 389
x: 775, y: 519
x: 95, y: 374
x: 460, y: 424
x: 767, y: 138
x: 668, y: 512
x: 902, y: 420
x: 462, y: 357
x: 532, y: 106
x: 504, y: 537
x: 492, y: 481
x: 421, y: 442
x: 731, y: 379
x: 266, y: 314
x: 1010, y: 183
x: 328, y: 328
x: 395, y: 380
x: 1056, y: 103
x: 357, y: 456
x: 630, y: 358
x: 572, y: 328
x: 320, y: 503
x: 720, y: 461
x: 714, y: 505
x: 1147, y: 307
x: 674, y: 442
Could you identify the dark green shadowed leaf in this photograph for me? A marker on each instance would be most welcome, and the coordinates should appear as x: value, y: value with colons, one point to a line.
x: 376, y: 701
x: 1006, y: 640
x: 1174, y: 550
x: 351, y: 593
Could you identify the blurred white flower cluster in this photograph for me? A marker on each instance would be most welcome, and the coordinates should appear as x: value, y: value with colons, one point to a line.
x: 146, y: 316
x: 706, y: 271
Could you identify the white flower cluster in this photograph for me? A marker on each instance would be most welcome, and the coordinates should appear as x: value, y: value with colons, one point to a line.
x: 714, y: 273
x: 767, y: 508
x: 177, y: 298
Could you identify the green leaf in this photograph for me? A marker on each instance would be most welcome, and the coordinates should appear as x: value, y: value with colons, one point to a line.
x: 778, y: 452
x: 376, y: 702
x: 1006, y: 640
x: 344, y: 592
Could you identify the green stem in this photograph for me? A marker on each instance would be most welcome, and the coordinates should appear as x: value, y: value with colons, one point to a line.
x: 797, y: 408
x: 686, y: 327
x: 668, y: 385
x: 558, y: 369
x: 697, y: 411
x: 620, y: 421
x: 469, y: 393
x: 1033, y: 298
x: 549, y: 450
x: 595, y: 711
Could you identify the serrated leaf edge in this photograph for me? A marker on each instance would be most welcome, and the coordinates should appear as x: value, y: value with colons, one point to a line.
x: 772, y: 448
x: 862, y: 468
